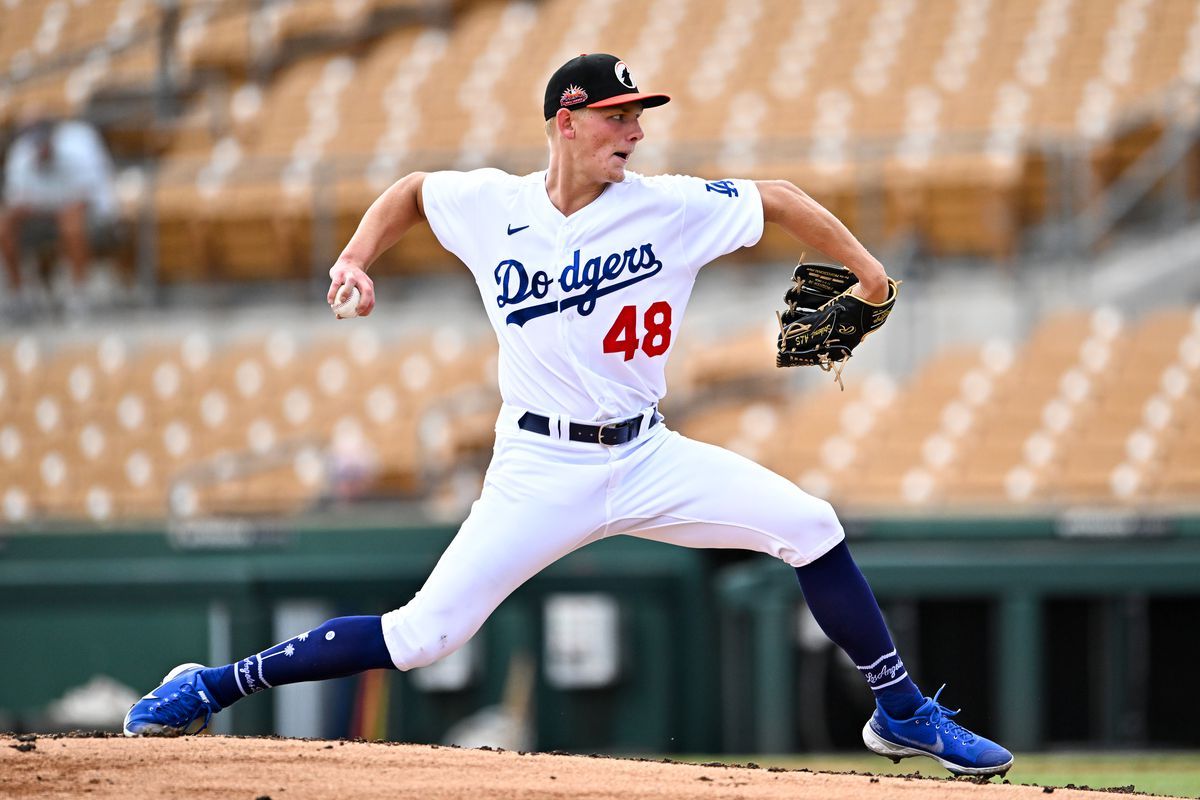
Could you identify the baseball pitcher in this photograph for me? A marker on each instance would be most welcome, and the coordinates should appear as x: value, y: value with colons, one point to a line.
x: 585, y: 270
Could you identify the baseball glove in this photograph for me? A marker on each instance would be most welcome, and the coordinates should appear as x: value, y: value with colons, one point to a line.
x: 823, y: 322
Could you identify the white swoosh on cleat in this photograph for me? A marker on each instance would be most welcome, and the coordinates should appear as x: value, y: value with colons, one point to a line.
x: 936, y: 747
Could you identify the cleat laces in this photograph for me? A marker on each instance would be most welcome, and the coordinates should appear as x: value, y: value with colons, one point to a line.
x: 180, y: 709
x: 939, y: 718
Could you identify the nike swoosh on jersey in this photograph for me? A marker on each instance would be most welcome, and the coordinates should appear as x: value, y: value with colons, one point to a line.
x: 512, y: 230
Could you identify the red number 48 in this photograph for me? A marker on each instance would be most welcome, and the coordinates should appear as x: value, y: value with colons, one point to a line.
x: 622, y: 337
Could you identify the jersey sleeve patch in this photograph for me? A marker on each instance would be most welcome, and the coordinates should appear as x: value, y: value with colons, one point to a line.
x: 725, y: 187
x: 719, y: 218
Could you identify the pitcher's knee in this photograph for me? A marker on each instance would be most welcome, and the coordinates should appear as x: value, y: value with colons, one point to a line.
x: 825, y: 518
x: 413, y: 642
x: 812, y: 533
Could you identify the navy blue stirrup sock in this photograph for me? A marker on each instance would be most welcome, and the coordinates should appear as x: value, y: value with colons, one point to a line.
x: 339, y: 647
x: 844, y: 606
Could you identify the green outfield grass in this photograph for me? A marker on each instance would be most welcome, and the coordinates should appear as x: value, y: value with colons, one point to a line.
x: 1172, y: 774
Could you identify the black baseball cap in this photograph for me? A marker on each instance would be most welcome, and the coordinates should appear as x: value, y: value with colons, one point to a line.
x: 595, y: 80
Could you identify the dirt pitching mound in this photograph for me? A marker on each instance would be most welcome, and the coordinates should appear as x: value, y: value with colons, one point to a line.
x: 105, y: 766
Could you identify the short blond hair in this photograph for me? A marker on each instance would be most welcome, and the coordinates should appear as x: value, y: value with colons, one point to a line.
x: 550, y: 122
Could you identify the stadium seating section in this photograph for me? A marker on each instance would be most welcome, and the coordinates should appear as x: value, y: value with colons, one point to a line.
x: 1076, y: 415
x: 111, y: 431
x: 907, y: 117
x: 1091, y: 410
x: 935, y: 120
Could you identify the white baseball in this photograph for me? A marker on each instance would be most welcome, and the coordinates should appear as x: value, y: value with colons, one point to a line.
x: 345, y: 304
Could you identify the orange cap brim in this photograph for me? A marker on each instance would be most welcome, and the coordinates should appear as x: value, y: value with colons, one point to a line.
x: 647, y: 100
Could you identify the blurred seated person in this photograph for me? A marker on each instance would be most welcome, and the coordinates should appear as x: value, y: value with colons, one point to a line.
x: 59, y: 193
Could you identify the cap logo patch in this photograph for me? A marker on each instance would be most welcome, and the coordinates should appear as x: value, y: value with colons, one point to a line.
x: 623, y: 75
x: 571, y: 95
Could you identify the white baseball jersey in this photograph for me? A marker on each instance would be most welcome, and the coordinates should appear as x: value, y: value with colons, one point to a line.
x: 586, y: 307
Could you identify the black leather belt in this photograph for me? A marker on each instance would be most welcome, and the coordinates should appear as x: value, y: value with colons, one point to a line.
x: 610, y: 433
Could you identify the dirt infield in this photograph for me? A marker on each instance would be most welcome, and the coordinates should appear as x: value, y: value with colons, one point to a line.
x: 105, y: 766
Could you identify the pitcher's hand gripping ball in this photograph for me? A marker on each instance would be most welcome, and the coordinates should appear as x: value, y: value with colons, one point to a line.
x: 824, y: 322
x: 345, y: 303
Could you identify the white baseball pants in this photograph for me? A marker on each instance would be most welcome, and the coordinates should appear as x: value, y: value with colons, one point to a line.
x: 543, y: 498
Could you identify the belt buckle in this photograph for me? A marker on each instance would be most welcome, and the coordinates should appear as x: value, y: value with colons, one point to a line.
x: 600, y: 432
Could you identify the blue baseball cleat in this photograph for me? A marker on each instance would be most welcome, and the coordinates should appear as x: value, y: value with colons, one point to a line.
x: 175, y: 707
x: 930, y: 732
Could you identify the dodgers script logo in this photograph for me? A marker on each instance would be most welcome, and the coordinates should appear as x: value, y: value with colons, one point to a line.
x: 596, y: 277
